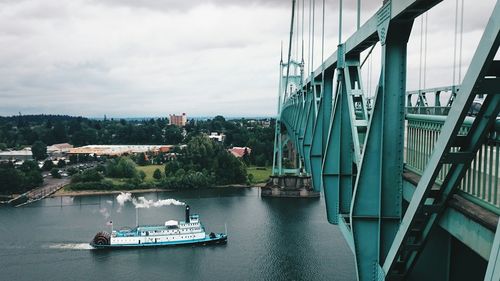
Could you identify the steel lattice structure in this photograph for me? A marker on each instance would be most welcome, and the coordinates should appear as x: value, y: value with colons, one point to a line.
x: 356, y: 156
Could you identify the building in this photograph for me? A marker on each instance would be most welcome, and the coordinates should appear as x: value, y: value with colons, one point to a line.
x: 119, y: 150
x: 178, y: 120
x: 217, y: 137
x: 58, y: 150
x: 16, y: 155
x: 239, y: 152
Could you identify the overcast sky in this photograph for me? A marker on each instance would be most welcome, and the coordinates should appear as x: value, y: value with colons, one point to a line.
x: 203, y: 57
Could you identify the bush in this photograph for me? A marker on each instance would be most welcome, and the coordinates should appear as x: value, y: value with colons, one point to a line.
x: 71, y: 171
x: 47, y: 165
x: 122, y: 167
x: 157, y: 174
x: 90, y: 175
x: 55, y: 173
x: 104, y: 185
x: 61, y: 163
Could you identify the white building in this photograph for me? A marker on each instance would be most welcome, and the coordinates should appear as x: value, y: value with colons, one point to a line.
x: 217, y: 137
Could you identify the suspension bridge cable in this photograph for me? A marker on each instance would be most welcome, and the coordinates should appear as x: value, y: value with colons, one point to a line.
x: 289, y: 47
x: 312, y: 36
x: 455, y: 43
x: 323, y: 37
x: 421, y: 48
x: 358, y: 21
x: 302, y: 29
x: 298, y: 30
x: 460, y: 48
x: 425, y: 51
x: 309, y: 39
x: 340, y: 22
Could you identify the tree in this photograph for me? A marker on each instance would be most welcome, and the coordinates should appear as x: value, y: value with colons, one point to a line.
x: 141, y: 159
x: 12, y: 179
x: 39, y: 150
x: 89, y: 175
x: 55, y: 173
x: 122, y: 167
x: 157, y: 174
x: 61, y: 163
x: 173, y: 134
x: 47, y: 165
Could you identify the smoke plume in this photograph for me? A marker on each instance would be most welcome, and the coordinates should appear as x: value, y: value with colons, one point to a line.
x: 141, y: 202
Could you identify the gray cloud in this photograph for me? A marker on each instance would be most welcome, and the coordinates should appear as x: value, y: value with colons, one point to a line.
x: 152, y: 58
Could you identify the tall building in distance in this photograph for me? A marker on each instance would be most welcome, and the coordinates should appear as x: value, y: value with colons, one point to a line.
x: 179, y: 120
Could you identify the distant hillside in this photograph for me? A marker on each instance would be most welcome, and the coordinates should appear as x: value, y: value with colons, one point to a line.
x: 39, y: 118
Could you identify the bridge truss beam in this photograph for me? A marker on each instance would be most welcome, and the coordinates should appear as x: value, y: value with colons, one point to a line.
x: 357, y: 158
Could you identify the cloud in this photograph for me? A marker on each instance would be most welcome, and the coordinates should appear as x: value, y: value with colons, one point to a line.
x: 152, y: 58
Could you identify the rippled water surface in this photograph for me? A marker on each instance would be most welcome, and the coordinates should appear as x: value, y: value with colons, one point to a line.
x: 269, y: 239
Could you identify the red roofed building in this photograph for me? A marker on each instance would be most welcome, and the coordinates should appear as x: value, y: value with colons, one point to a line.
x: 238, y: 152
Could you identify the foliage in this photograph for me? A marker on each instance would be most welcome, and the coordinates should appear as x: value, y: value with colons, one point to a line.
x: 39, y: 150
x: 89, y: 175
x: 55, y: 173
x: 141, y: 159
x: 203, y: 163
x: 71, y: 171
x: 22, y: 131
x: 122, y: 167
x: 157, y: 174
x: 61, y: 163
x: 19, y: 180
x: 47, y: 165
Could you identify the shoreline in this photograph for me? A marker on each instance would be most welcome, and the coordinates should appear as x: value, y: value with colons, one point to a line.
x: 74, y: 193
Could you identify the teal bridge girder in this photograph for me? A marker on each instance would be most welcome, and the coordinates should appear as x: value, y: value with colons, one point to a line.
x: 358, y: 156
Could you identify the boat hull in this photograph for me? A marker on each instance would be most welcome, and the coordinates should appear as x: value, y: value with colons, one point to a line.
x: 218, y: 240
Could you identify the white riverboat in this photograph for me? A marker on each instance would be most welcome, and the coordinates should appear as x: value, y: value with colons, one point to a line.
x: 172, y: 232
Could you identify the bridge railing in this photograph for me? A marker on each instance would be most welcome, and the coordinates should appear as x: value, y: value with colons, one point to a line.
x: 481, y: 183
x: 429, y: 110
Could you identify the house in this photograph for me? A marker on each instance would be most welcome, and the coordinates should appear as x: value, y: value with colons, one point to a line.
x: 58, y: 150
x: 16, y: 155
x: 217, y: 137
x: 239, y: 152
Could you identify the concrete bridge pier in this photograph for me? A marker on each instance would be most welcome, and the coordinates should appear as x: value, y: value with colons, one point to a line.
x: 298, y: 186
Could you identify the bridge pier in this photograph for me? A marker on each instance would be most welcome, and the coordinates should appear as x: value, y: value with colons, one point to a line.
x: 289, y: 186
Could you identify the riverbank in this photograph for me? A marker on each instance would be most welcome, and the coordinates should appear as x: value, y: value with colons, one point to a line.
x: 73, y: 193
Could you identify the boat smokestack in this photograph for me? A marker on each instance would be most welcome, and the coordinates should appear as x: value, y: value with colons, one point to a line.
x: 187, y: 214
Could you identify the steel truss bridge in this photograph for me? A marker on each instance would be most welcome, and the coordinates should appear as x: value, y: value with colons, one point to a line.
x: 414, y: 188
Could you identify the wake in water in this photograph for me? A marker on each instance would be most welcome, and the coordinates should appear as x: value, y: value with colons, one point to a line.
x: 70, y: 246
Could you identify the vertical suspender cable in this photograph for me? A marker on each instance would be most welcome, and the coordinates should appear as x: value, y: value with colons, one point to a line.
x: 455, y: 43
x: 312, y: 38
x: 309, y: 39
x: 289, y: 47
x: 425, y: 51
x: 420, y: 58
x: 298, y: 30
x: 358, y: 22
x: 323, y: 36
x: 460, y: 48
x: 302, y: 40
x: 340, y: 22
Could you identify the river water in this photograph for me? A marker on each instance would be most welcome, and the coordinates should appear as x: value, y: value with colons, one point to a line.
x: 269, y: 239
